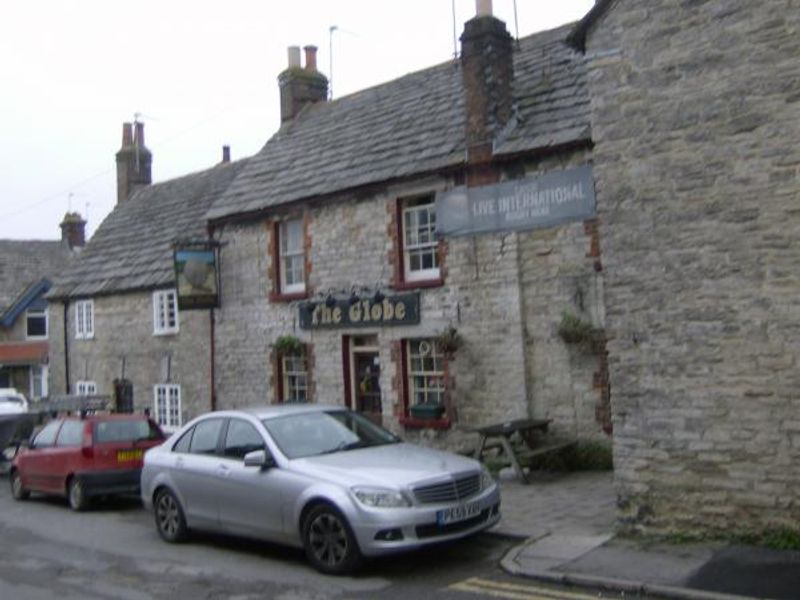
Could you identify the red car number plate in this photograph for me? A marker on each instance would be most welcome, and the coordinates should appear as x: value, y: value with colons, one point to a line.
x: 129, y: 455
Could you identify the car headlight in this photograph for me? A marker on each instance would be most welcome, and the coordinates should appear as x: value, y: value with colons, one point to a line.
x: 487, y: 480
x: 380, y: 497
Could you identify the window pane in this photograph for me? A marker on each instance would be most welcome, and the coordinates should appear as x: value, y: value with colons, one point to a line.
x: 71, y: 433
x: 242, y: 438
x: 206, y: 436
x: 36, y: 323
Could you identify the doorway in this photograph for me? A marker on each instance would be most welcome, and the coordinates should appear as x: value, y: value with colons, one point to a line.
x: 365, y: 377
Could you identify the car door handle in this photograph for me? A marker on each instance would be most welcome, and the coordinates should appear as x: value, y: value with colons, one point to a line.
x: 179, y: 463
x: 223, y: 470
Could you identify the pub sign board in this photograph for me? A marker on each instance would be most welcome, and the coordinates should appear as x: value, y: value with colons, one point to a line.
x: 400, y: 309
x: 196, y: 277
x: 520, y: 204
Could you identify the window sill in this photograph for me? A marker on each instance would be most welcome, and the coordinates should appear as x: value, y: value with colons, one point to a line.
x: 279, y: 297
x: 414, y: 423
x: 422, y: 283
x: 164, y: 333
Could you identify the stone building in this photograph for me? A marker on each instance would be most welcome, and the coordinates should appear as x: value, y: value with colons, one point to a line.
x: 340, y: 286
x: 27, y: 268
x: 115, y: 312
x: 696, y: 121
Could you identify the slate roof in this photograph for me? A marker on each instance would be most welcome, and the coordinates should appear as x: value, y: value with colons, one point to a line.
x: 24, y: 264
x: 410, y: 126
x: 132, y: 248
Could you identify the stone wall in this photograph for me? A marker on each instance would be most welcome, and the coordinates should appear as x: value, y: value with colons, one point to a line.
x: 696, y: 122
x: 505, y: 294
x: 124, y: 346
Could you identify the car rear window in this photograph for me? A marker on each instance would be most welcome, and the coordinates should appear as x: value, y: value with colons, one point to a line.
x: 126, y: 431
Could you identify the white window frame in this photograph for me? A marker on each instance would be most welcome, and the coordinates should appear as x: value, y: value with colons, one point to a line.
x: 164, y: 303
x: 410, y: 209
x: 84, y: 320
x: 294, y: 379
x: 169, y: 416
x: 42, y: 373
x: 428, y: 378
x: 37, y: 312
x: 86, y: 388
x: 286, y: 254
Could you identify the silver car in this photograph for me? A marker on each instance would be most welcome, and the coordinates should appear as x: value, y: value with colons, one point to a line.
x: 319, y: 477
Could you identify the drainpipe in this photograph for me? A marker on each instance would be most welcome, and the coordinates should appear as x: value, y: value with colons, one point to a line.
x: 66, y: 345
x: 212, y: 322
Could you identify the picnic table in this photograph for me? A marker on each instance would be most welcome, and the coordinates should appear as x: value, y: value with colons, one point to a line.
x: 530, y: 431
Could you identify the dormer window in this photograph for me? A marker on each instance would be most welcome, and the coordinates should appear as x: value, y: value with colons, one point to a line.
x: 36, y: 323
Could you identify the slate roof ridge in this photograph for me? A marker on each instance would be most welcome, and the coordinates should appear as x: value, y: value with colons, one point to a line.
x: 131, y: 250
x: 409, y: 126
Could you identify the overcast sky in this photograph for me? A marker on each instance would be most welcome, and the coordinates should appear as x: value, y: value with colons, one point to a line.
x: 200, y: 73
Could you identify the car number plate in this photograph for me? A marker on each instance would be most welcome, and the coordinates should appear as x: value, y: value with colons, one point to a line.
x: 458, y: 513
x: 129, y: 455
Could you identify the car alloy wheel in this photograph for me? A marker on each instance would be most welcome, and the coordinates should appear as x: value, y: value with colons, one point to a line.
x: 18, y: 490
x: 329, y: 542
x: 170, y: 521
x: 76, y: 494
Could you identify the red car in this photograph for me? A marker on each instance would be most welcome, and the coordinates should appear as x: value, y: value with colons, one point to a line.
x: 81, y: 458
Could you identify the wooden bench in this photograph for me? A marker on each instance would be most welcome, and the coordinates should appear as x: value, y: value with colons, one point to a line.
x: 525, y: 455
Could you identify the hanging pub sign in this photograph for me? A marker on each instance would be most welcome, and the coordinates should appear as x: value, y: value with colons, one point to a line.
x: 196, y: 275
x: 402, y: 309
x: 529, y: 203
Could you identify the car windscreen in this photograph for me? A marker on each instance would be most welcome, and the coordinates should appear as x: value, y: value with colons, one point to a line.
x: 126, y: 431
x: 314, y: 433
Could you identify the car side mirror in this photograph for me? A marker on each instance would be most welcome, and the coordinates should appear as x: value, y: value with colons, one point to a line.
x: 260, y: 459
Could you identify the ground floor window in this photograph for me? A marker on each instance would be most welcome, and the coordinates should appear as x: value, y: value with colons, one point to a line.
x: 86, y: 388
x: 168, y: 406
x: 38, y: 381
x: 294, y: 375
x: 426, y: 375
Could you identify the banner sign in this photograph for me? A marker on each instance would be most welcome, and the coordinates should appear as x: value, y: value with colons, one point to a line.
x: 196, y: 277
x: 402, y: 309
x: 529, y: 203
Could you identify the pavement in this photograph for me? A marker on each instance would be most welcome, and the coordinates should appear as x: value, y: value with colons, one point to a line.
x: 565, y: 524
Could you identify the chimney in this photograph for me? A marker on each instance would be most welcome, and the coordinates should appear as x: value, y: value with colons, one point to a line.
x: 487, y: 63
x: 133, y: 161
x: 73, y: 230
x: 226, y: 154
x: 299, y: 86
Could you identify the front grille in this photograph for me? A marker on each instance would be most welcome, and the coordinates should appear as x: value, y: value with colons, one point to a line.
x: 458, y: 488
x: 433, y: 529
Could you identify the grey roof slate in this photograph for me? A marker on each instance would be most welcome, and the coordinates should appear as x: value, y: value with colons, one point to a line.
x: 23, y: 263
x: 410, y: 126
x: 132, y: 248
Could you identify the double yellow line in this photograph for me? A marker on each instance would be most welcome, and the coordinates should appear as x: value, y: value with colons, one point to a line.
x: 499, y: 589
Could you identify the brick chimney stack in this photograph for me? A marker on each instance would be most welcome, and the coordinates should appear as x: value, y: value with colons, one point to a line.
x: 299, y: 86
x: 487, y: 63
x: 73, y: 230
x: 133, y: 161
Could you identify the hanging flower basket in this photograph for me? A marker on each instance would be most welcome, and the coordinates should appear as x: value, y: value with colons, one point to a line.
x: 288, y: 345
x: 449, y: 340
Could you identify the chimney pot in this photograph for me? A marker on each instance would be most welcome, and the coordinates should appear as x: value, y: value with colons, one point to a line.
x: 139, y: 136
x: 311, y: 58
x: 127, y: 134
x: 294, y: 57
x: 226, y: 154
x: 483, y: 8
